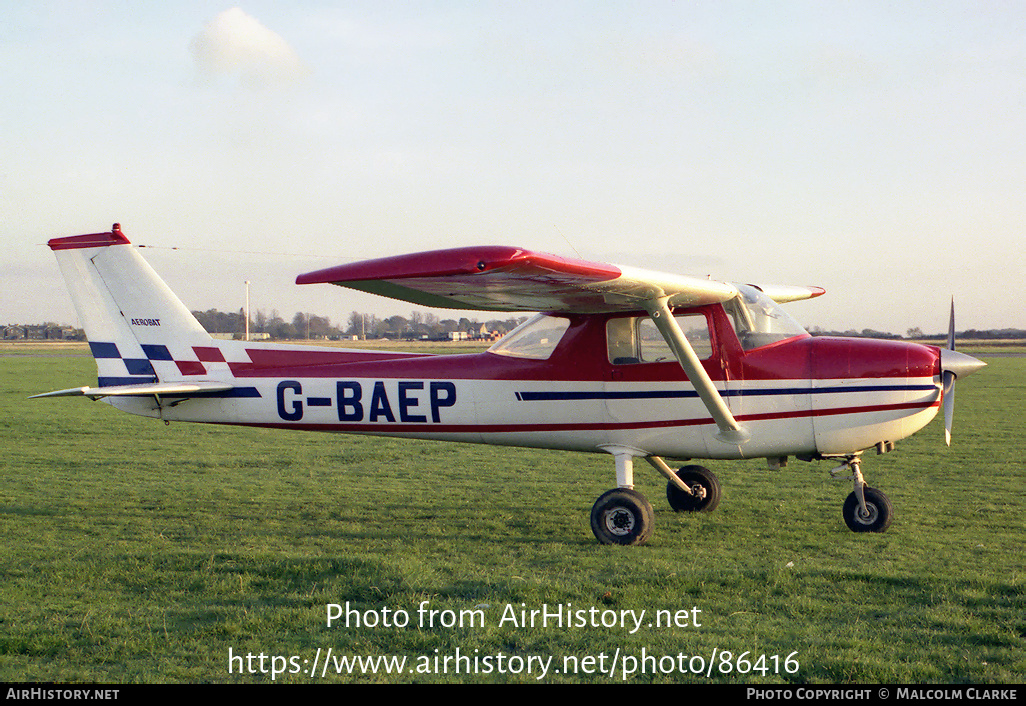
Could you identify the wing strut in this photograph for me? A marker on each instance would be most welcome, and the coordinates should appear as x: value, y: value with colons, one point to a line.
x: 730, y: 431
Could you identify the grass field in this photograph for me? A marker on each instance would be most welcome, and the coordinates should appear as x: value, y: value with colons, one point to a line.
x: 138, y: 552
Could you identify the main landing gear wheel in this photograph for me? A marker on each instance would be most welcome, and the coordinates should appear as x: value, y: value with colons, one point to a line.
x: 879, y: 513
x: 622, y: 516
x: 705, y: 490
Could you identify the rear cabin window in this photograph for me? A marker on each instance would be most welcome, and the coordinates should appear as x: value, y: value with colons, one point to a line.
x: 536, y: 338
x: 635, y: 339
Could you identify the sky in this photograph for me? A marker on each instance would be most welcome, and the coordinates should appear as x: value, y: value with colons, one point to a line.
x: 875, y: 149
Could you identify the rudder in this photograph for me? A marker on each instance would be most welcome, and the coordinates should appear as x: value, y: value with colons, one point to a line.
x: 139, y: 331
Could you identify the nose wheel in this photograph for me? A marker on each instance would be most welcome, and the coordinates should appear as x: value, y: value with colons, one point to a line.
x: 877, y: 515
x: 865, y: 509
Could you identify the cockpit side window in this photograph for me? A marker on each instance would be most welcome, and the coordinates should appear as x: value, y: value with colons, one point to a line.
x: 758, y: 320
x: 635, y: 339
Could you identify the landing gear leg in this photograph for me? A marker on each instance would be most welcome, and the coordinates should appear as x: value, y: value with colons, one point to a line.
x: 865, y: 509
x: 622, y: 515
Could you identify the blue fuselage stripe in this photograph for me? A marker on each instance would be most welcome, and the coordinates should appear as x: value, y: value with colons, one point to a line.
x: 575, y: 395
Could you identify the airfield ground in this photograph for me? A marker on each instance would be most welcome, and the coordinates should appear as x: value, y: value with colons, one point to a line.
x: 135, y: 552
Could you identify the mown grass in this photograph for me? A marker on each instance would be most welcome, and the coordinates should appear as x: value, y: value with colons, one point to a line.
x: 135, y: 552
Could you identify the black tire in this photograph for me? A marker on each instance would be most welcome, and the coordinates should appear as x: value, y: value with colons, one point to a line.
x: 694, y: 477
x: 880, y: 512
x: 622, y: 516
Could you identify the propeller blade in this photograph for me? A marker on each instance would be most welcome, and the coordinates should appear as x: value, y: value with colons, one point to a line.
x: 953, y: 366
x: 949, y: 381
x: 951, y: 327
x: 949, y: 404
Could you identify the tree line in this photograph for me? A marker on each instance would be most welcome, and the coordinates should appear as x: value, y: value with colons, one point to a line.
x: 303, y: 325
x: 916, y: 334
x: 419, y: 325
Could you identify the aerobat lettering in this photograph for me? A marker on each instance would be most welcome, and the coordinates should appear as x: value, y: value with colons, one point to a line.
x: 405, y: 401
x: 146, y: 322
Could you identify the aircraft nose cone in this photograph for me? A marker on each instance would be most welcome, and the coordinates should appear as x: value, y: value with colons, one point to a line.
x: 959, y: 364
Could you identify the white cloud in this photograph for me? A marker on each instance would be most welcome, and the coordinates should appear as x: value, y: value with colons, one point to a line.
x: 235, y: 44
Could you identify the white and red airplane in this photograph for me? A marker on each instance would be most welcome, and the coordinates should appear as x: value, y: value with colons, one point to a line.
x: 628, y: 362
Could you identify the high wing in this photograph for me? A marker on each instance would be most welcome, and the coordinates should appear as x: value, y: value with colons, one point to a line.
x: 503, y: 278
x: 500, y: 278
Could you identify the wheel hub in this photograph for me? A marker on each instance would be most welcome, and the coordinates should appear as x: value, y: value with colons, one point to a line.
x: 869, y: 516
x: 620, y: 521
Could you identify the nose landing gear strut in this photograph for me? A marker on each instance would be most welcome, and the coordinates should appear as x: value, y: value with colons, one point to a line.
x: 865, y: 509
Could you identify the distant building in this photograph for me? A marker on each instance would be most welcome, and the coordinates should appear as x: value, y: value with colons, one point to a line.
x: 41, y: 332
x: 483, y: 334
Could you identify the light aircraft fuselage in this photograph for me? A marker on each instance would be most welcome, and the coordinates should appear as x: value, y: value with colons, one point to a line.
x: 796, y: 397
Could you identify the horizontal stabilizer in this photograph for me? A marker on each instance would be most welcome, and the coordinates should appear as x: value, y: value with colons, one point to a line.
x: 170, y: 389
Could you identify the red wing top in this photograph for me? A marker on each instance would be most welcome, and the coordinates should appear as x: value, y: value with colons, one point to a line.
x: 502, y: 278
x: 92, y: 240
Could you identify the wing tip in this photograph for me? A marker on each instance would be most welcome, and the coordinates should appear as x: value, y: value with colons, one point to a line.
x: 90, y: 240
x: 783, y: 294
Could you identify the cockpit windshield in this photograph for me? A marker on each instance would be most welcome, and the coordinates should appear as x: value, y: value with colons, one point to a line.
x: 758, y: 320
x: 536, y: 338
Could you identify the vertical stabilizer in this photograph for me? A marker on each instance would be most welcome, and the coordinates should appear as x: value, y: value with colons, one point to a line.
x: 138, y: 330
